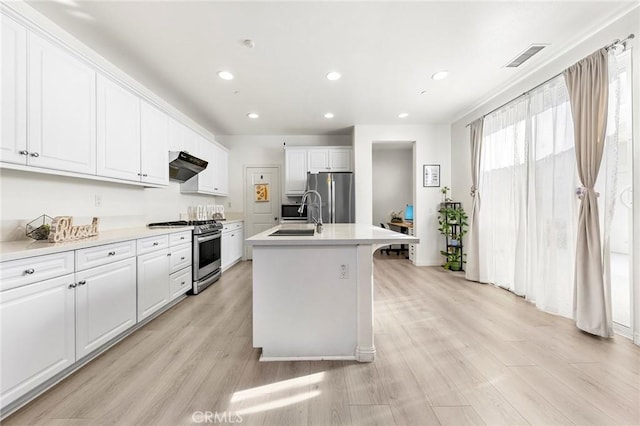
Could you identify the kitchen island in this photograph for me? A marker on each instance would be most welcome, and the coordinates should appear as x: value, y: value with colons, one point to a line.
x: 313, y: 295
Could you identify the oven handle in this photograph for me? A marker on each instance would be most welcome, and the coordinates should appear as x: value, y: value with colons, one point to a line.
x: 205, y: 239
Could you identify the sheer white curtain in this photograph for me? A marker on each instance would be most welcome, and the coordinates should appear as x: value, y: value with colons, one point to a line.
x: 527, y: 227
x: 552, y: 203
x: 503, y: 177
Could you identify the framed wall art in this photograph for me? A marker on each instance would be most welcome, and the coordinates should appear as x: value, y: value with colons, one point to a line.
x: 431, y: 175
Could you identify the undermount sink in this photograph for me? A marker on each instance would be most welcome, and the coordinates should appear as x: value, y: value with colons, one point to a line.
x: 293, y: 233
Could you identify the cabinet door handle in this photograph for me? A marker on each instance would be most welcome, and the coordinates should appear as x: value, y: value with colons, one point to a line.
x: 23, y: 152
x: 139, y: 174
x: 182, y: 283
x: 155, y: 243
x: 233, y: 235
x: 182, y: 258
x: 144, y: 175
x: 83, y: 282
x: 111, y: 253
x: 168, y: 254
x: 73, y: 285
x: 182, y: 238
x: 35, y: 154
x: 29, y: 271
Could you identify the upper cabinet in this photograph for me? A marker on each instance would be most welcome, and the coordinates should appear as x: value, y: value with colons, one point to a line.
x: 214, y: 180
x: 13, y: 51
x: 295, y: 170
x: 132, y: 136
x: 329, y: 159
x: 61, y: 108
x: 302, y: 160
x: 154, y: 145
x: 118, y: 131
x: 182, y: 138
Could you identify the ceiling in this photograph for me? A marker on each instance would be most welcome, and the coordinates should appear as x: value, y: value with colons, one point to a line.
x: 385, y: 51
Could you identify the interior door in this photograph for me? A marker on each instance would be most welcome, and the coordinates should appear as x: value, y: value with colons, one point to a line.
x: 262, y: 200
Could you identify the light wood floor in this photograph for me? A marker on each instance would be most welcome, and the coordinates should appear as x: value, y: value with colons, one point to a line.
x: 449, y: 352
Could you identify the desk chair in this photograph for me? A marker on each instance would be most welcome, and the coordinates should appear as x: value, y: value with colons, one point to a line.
x: 390, y: 246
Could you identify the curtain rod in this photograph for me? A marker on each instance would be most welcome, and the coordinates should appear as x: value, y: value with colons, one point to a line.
x: 616, y: 42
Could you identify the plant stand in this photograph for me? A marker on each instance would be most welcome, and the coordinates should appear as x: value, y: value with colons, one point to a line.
x: 453, y: 230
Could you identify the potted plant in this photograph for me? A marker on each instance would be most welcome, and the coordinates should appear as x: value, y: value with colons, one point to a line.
x: 453, y: 224
x: 396, y: 216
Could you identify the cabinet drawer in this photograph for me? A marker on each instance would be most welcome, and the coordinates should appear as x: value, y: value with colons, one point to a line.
x: 180, y: 257
x: 16, y: 273
x: 101, y: 255
x: 232, y: 226
x: 181, y: 282
x: 149, y: 244
x: 179, y: 238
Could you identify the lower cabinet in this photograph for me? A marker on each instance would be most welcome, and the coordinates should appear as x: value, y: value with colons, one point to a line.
x: 105, y: 304
x: 153, y: 282
x: 38, y: 334
x: 180, y: 282
x: 232, y: 244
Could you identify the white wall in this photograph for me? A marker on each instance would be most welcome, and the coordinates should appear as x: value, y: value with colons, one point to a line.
x: 461, y: 182
x: 262, y: 150
x: 432, y: 146
x: 392, y: 180
x: 27, y: 195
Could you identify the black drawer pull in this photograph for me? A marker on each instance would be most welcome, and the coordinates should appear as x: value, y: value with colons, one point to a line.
x: 111, y: 253
x: 29, y: 271
x: 155, y: 243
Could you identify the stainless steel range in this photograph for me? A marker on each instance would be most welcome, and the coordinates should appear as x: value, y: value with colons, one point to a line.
x: 207, y: 250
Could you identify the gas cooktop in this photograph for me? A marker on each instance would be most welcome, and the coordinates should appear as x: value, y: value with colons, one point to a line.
x: 200, y: 226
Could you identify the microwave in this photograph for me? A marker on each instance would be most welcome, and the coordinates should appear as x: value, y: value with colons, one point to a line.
x: 290, y: 213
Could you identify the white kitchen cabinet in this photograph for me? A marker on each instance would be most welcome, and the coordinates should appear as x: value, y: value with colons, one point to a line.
x: 38, y: 334
x: 221, y: 169
x: 154, y: 145
x: 180, y: 278
x: 181, y: 282
x: 61, y: 109
x: 232, y: 244
x: 214, y: 180
x: 181, y: 138
x: 105, y: 304
x: 295, y: 169
x: 153, y: 282
x: 330, y: 159
x: 13, y: 51
x: 118, y: 131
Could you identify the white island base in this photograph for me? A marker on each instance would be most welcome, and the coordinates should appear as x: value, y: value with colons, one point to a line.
x: 313, y: 296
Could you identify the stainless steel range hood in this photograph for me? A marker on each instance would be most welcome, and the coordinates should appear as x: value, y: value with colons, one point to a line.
x: 183, y: 166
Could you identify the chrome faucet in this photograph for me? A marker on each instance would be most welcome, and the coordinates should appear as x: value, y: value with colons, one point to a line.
x: 318, y: 221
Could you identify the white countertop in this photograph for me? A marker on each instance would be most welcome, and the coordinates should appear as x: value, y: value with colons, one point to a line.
x: 333, y: 234
x: 11, y: 250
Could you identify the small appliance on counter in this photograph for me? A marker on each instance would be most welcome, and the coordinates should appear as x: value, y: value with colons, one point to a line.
x: 207, y: 251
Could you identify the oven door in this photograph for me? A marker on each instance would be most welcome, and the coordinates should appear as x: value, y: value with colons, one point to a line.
x: 206, y: 255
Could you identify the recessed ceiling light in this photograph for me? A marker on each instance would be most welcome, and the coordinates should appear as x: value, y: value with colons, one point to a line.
x: 225, y: 75
x: 333, y: 76
x: 403, y: 115
x: 329, y: 115
x: 440, y: 75
x: 253, y: 115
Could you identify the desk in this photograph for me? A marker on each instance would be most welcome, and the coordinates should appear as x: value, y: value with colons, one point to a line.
x: 404, y: 228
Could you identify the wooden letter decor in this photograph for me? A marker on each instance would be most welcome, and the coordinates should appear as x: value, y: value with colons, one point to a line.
x: 62, y: 229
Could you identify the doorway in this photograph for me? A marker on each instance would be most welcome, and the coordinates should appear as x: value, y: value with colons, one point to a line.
x: 392, y: 183
x: 262, y: 200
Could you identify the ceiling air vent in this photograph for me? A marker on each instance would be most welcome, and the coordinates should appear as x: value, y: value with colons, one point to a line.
x: 526, y: 55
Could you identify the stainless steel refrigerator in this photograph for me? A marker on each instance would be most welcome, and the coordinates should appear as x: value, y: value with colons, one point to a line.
x: 338, y: 196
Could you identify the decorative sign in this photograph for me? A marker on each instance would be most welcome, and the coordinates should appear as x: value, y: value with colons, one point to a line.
x: 62, y: 229
x: 262, y: 192
x: 431, y: 174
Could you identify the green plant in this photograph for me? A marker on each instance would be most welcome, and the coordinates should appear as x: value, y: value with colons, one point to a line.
x: 453, y: 223
x: 445, y: 190
x: 396, y: 216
